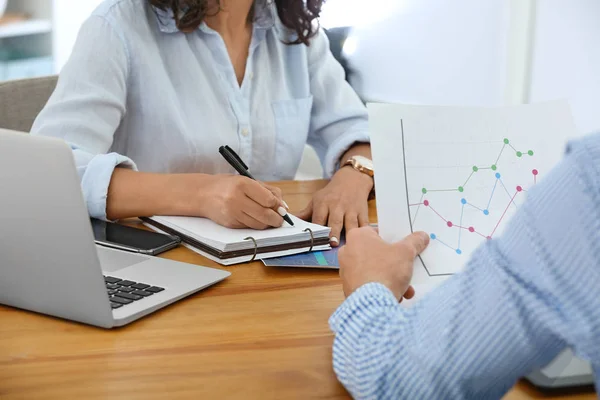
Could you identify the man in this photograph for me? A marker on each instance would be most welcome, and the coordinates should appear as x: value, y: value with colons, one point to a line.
x: 521, y: 300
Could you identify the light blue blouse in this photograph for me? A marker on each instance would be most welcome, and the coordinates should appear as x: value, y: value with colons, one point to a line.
x: 138, y: 93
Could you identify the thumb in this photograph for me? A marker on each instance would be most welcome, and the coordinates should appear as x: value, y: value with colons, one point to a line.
x: 306, y: 213
x: 417, y: 241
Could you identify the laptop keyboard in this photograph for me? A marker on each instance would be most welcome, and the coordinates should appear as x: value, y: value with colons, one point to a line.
x: 122, y: 292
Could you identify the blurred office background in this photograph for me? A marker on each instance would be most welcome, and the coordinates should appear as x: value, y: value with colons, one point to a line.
x: 460, y: 52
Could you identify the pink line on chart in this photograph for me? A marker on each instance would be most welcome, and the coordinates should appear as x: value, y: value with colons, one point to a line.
x: 504, y: 213
x: 438, y: 214
x: 481, y: 234
x: 451, y: 225
x: 471, y: 229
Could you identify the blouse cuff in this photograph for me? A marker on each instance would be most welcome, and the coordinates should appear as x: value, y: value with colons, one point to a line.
x: 96, y: 180
x: 339, y: 147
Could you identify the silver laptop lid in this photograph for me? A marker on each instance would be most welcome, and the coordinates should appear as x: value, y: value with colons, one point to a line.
x: 48, y: 260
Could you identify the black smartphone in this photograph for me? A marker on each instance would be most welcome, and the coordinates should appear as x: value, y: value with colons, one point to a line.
x: 126, y: 238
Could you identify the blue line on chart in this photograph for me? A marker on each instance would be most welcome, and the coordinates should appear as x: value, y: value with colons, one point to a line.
x: 486, y: 210
x: 462, y: 212
x: 474, y: 206
x: 493, y: 190
x: 433, y: 236
x: 508, y: 193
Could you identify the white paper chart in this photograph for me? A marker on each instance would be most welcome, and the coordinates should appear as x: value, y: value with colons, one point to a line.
x: 459, y: 174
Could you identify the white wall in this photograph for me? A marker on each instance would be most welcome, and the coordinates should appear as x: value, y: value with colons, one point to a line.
x: 357, y: 13
x: 566, y: 58
x: 68, y: 15
x: 435, y: 51
x: 424, y: 51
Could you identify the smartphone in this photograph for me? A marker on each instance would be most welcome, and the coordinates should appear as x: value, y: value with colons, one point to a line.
x: 126, y: 238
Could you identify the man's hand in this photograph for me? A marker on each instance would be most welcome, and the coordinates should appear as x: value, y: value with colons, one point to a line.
x: 367, y: 258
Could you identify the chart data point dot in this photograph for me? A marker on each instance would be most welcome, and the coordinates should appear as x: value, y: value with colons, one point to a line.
x: 461, y: 189
x: 519, y: 189
x: 486, y: 212
x: 471, y: 229
x: 475, y: 169
x: 450, y: 224
x: 426, y: 203
x: 489, y: 238
x: 463, y: 201
x: 535, y: 172
x: 458, y: 251
x: 494, y: 167
x: 432, y: 236
x: 498, y: 175
x: 519, y: 154
x: 506, y: 141
x: 424, y: 191
x: 530, y: 152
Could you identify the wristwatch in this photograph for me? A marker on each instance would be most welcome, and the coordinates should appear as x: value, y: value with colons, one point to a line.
x: 364, y: 165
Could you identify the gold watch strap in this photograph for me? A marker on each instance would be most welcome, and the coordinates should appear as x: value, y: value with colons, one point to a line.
x: 350, y: 162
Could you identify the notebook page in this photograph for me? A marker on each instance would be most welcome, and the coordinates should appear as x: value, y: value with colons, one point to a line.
x: 217, y: 236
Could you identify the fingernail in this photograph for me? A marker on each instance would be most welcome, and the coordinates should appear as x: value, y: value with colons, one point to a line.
x: 281, y: 211
x: 334, y: 240
x: 285, y: 204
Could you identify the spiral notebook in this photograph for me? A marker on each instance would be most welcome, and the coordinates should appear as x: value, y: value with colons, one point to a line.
x: 232, y: 246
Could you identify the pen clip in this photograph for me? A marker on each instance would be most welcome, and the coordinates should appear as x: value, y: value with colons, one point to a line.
x: 234, y: 154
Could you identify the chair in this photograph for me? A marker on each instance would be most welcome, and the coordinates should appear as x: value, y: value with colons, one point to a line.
x: 22, y: 100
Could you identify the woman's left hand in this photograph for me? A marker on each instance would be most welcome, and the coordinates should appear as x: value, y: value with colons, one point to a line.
x: 342, y: 203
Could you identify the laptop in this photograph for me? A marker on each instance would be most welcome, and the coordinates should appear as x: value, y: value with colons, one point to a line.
x: 566, y: 370
x: 49, y: 262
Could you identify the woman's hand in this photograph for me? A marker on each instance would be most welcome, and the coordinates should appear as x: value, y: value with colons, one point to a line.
x: 230, y: 200
x: 238, y: 202
x: 342, y: 203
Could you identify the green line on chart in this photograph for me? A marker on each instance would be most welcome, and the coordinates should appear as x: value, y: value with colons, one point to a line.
x: 475, y: 169
x: 442, y: 190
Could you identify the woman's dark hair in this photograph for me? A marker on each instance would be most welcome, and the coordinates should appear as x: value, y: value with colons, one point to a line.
x: 296, y: 15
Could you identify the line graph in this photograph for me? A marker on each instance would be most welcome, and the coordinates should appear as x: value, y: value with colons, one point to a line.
x: 464, y: 203
x: 423, y: 202
x: 460, y: 173
x: 499, y: 189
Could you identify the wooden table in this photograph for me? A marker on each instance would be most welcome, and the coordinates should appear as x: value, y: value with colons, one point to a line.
x: 261, y: 334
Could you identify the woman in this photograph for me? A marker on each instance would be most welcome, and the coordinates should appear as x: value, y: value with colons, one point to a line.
x: 154, y: 87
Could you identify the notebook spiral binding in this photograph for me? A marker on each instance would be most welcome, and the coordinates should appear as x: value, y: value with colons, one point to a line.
x: 312, y: 238
x: 312, y: 243
x: 255, y: 247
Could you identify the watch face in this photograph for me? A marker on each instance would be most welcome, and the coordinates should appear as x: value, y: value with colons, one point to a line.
x: 364, y: 162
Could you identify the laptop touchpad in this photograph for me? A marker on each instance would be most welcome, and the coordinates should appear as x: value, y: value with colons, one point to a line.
x: 114, y: 260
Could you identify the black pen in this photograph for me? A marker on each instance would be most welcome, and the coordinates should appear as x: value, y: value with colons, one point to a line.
x: 236, y: 162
